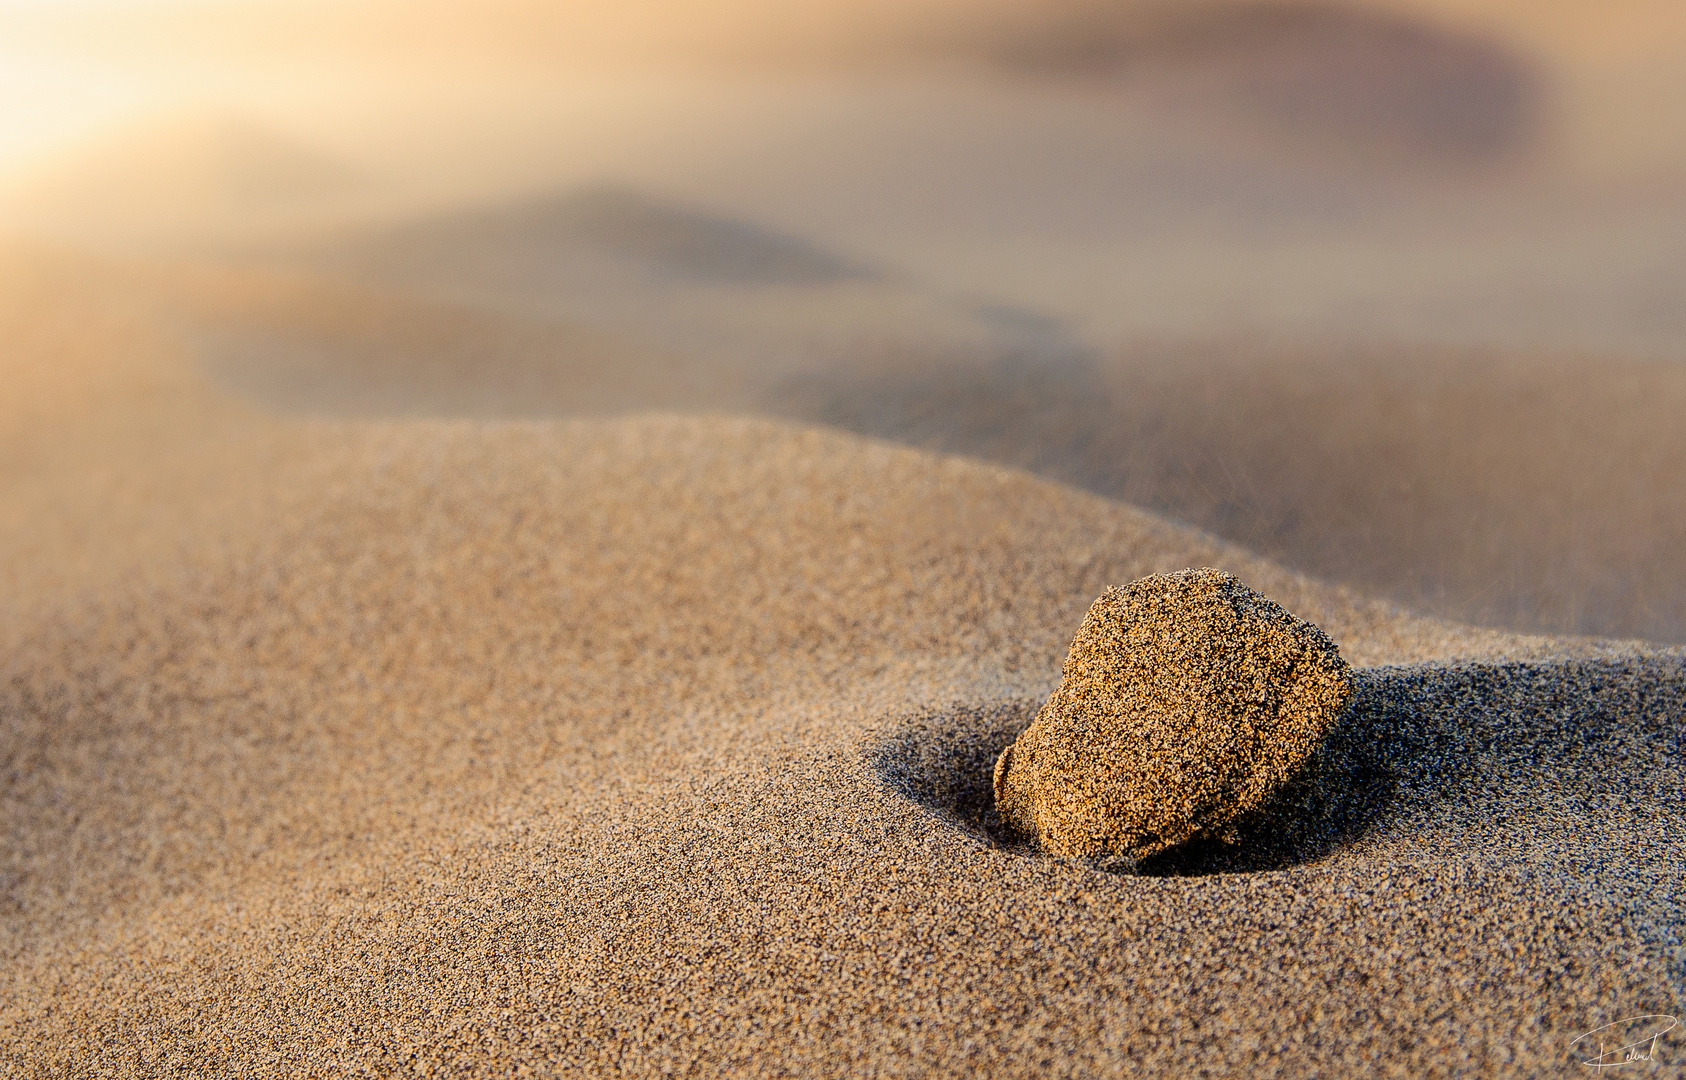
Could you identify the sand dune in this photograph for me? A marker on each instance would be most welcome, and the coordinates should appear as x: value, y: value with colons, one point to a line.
x: 647, y: 743
x: 705, y: 310
x: 1471, y: 483
x: 1497, y: 488
x: 330, y: 347
x: 658, y: 240
x: 572, y: 634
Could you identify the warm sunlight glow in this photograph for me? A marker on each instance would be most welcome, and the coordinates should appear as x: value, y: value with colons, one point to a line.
x: 542, y: 537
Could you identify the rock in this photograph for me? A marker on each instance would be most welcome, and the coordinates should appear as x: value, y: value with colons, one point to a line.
x: 1187, y: 701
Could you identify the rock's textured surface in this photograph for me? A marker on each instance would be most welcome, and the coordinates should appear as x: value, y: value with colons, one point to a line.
x: 1187, y: 700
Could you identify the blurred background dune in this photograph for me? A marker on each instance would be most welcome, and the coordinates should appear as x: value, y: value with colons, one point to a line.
x: 1391, y: 291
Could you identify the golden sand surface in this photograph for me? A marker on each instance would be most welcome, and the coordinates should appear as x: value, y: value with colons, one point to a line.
x: 526, y: 526
x: 1534, y: 490
x: 654, y: 744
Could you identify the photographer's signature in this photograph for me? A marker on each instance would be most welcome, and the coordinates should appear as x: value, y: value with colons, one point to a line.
x: 1623, y: 1042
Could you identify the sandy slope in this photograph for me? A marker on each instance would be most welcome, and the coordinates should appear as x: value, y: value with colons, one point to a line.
x: 656, y: 743
x: 1500, y: 488
x: 385, y: 689
x: 1475, y: 483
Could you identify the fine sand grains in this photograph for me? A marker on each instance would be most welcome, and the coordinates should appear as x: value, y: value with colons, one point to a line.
x: 652, y: 745
x: 587, y: 746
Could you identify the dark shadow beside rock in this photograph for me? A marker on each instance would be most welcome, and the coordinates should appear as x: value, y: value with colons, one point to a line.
x: 944, y: 759
x: 1329, y: 804
x: 1467, y: 757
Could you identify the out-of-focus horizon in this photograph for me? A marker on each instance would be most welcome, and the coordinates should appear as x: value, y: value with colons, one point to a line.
x: 1608, y: 77
x: 79, y: 71
x: 1047, y: 153
x: 1386, y: 289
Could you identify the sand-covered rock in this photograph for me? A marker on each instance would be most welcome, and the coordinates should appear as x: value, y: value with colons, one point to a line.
x: 1187, y: 701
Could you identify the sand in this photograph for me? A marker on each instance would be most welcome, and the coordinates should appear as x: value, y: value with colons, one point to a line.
x: 458, y: 621
x: 1388, y: 292
x: 1523, y: 488
x: 658, y: 744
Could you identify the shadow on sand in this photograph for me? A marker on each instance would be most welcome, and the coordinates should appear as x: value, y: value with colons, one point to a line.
x: 1446, y: 745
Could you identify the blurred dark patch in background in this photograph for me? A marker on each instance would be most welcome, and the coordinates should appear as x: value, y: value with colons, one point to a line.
x: 1362, y: 80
